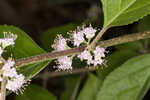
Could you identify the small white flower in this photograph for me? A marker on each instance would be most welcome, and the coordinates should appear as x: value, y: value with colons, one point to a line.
x: 9, y: 63
x: 1, y: 79
x: 65, y: 60
x: 98, y: 54
x: 60, y: 44
x: 64, y: 67
x: 89, y: 32
x: 65, y: 63
x: 97, y: 62
x: 90, y: 61
x: 8, y: 39
x: 85, y: 55
x: 10, y: 72
x: 8, y: 69
x: 6, y: 42
x: 16, y: 83
x: 78, y: 38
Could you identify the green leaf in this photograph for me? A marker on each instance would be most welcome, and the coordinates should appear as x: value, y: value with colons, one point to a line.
x: 128, y: 82
x: 34, y: 92
x: 123, y: 51
x: 90, y: 88
x: 48, y: 37
x: 25, y: 47
x: 123, y: 12
x: 33, y: 69
x: 115, y: 60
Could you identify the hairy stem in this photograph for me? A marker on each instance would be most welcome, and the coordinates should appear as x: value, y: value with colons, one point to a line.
x: 4, y: 81
x: 3, y: 88
x: 106, y: 43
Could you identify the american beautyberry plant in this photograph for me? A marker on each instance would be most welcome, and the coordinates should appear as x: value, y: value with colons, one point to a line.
x: 125, y: 78
x: 79, y: 37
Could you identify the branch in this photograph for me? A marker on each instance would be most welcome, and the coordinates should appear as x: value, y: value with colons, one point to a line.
x: 3, y: 89
x: 94, y: 42
x: 3, y: 83
x: 106, y: 43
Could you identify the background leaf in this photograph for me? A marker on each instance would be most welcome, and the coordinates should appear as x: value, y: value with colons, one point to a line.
x: 127, y: 82
x: 123, y: 12
x: 24, y: 47
x: 34, y: 92
x: 144, y: 24
x: 90, y: 88
x: 70, y: 83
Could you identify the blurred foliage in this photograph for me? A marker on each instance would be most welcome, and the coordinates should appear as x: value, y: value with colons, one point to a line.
x: 70, y: 83
x: 34, y: 92
x: 90, y: 88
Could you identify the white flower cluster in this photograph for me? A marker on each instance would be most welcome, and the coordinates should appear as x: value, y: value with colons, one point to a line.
x: 8, y: 39
x: 96, y: 58
x: 60, y: 43
x: 15, y: 81
x: 78, y: 37
x: 65, y: 63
